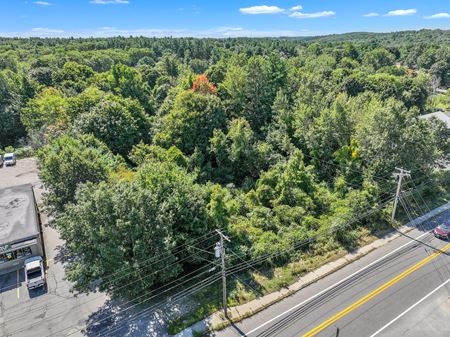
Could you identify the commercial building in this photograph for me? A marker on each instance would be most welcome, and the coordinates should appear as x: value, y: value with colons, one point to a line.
x: 20, y: 231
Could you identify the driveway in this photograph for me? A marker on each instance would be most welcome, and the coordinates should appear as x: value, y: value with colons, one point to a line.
x: 42, y: 312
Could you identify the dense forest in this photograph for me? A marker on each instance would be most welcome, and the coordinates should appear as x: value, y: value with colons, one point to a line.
x: 146, y: 145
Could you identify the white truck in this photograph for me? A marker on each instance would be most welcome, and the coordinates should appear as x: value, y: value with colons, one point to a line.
x: 10, y: 159
x: 34, y: 272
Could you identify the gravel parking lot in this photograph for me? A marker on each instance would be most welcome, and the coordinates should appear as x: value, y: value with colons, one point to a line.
x: 53, y: 311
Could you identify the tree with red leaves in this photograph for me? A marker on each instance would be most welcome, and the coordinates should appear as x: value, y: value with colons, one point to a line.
x: 202, y: 85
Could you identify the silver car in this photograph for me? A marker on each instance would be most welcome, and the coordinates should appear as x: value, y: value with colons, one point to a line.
x: 9, y: 159
x: 34, y: 272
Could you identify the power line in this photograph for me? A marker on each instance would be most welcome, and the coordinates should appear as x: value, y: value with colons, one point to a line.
x: 240, y: 267
x: 423, y: 200
x: 96, y: 297
x: 120, y: 287
x: 379, y: 178
x: 177, y: 250
x: 158, y: 290
x: 236, y: 270
x: 264, y: 257
x: 404, y: 204
x: 314, y: 238
x: 185, y: 292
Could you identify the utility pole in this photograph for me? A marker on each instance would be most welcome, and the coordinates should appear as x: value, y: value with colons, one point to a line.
x: 220, y: 252
x: 400, y: 174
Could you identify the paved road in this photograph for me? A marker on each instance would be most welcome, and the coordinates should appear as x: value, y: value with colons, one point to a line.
x: 368, y: 300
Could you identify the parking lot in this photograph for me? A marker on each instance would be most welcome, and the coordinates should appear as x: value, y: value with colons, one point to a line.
x: 49, y: 311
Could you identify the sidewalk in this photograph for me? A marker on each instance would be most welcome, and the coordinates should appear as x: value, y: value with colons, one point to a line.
x: 216, y: 321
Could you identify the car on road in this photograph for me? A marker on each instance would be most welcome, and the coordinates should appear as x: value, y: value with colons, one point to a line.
x: 10, y: 159
x: 442, y: 231
x: 34, y: 272
x: 1, y: 160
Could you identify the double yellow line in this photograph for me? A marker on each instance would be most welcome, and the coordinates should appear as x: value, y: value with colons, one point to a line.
x: 374, y: 293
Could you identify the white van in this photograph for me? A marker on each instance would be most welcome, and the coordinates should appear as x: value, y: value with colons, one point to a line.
x: 9, y: 159
x: 34, y: 272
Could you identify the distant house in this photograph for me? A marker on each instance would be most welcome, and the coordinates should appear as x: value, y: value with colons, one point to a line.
x: 443, y: 116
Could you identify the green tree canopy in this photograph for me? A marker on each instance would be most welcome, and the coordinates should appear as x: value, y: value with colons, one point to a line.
x: 119, y: 123
x: 11, y: 127
x: 48, y: 108
x: 118, y: 228
x: 191, y: 122
x: 67, y: 162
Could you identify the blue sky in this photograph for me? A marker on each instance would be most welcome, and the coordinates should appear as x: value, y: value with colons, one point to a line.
x: 217, y: 18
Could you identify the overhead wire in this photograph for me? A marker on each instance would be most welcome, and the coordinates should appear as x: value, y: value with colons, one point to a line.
x: 144, y: 263
x: 188, y: 292
x: 46, y: 307
x: 158, y: 292
x: 238, y: 268
x: 246, y: 264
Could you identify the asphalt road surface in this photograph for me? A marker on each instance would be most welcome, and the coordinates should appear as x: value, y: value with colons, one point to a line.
x: 401, y: 289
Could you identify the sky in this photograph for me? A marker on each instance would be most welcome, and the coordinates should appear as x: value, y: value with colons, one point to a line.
x: 217, y: 18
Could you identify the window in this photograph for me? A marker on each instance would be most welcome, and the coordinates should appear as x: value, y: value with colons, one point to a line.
x: 23, y: 252
x: 7, y: 257
x: 17, y: 254
x: 34, y: 273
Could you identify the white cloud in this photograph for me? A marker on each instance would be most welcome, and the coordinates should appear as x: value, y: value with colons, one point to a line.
x: 261, y: 10
x: 299, y: 15
x: 109, y: 2
x: 372, y: 14
x: 42, y: 3
x: 229, y: 29
x: 401, y: 12
x: 296, y: 8
x: 439, y: 16
x: 292, y: 12
x: 46, y: 32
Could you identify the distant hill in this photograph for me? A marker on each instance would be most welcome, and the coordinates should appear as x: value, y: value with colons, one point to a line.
x: 436, y: 36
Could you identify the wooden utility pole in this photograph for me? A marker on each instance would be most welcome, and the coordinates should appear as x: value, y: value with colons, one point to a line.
x: 400, y: 174
x: 220, y: 250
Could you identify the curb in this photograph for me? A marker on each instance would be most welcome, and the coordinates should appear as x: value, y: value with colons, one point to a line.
x: 205, y: 325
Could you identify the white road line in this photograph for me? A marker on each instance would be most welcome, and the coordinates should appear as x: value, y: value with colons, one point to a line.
x: 18, y: 285
x: 410, y: 308
x: 332, y: 286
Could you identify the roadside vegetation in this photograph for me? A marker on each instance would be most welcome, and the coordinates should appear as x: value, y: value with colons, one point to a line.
x: 287, y: 145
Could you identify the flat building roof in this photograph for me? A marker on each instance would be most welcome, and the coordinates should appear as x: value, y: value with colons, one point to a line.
x: 18, y: 218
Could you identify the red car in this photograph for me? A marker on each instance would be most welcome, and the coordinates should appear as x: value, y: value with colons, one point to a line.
x: 442, y: 231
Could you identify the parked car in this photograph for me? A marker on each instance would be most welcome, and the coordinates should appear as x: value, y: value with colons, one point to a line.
x: 34, y: 272
x: 9, y: 159
x: 1, y: 160
x: 442, y: 231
